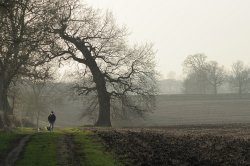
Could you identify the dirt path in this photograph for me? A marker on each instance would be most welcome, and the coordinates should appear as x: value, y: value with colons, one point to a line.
x: 14, y: 154
x: 67, y: 151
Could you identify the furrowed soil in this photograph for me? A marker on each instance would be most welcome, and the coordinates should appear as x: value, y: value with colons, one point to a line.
x: 180, y: 145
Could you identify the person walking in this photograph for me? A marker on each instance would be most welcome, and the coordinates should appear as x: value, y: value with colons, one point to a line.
x: 51, y: 119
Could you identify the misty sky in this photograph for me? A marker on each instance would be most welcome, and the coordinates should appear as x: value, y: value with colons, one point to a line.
x: 218, y: 28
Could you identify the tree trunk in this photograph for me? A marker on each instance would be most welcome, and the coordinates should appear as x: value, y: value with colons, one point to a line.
x: 98, y: 78
x: 37, y: 120
x: 215, y: 90
x: 104, y: 110
x: 2, y: 121
x: 215, y: 87
x: 240, y: 89
x: 4, y: 103
x: 103, y: 97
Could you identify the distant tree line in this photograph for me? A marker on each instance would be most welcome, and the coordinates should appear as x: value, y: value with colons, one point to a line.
x: 207, y: 77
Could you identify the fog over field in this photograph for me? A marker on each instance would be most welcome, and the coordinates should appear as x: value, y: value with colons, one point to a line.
x: 151, y: 63
x: 170, y: 110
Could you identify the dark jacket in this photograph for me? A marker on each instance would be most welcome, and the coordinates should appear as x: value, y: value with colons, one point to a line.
x: 52, y: 118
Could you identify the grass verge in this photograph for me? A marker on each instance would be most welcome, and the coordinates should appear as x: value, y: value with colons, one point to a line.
x: 40, y: 151
x: 7, y: 142
x: 92, y: 150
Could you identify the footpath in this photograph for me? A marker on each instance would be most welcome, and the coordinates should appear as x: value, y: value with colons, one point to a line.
x: 62, y: 147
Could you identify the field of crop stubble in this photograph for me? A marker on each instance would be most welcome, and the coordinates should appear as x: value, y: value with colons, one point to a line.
x: 180, y: 145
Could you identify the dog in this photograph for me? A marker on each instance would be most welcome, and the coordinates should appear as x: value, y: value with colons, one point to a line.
x: 48, y: 128
x: 40, y: 129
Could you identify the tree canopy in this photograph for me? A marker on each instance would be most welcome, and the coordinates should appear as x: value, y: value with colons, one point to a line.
x: 21, y: 38
x: 113, y: 70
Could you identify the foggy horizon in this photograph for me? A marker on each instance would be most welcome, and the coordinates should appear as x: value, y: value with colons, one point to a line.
x: 218, y: 29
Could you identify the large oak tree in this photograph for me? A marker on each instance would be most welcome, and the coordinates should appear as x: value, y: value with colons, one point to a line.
x: 112, y: 69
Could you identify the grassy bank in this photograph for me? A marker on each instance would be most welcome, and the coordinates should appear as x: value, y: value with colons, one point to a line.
x: 7, y: 142
x: 92, y: 150
x: 40, y: 150
x: 44, y: 148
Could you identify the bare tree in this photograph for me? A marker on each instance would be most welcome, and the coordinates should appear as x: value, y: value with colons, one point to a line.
x: 216, y: 75
x: 38, y: 101
x: 195, y: 66
x: 239, y: 76
x: 21, y: 36
x: 112, y: 69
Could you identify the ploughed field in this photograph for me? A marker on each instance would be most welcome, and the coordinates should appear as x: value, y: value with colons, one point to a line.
x: 179, y: 145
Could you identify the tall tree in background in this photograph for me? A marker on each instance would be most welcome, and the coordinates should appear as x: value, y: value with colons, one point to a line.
x: 216, y: 75
x: 21, y: 36
x: 112, y: 69
x: 240, y: 76
x: 195, y: 66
